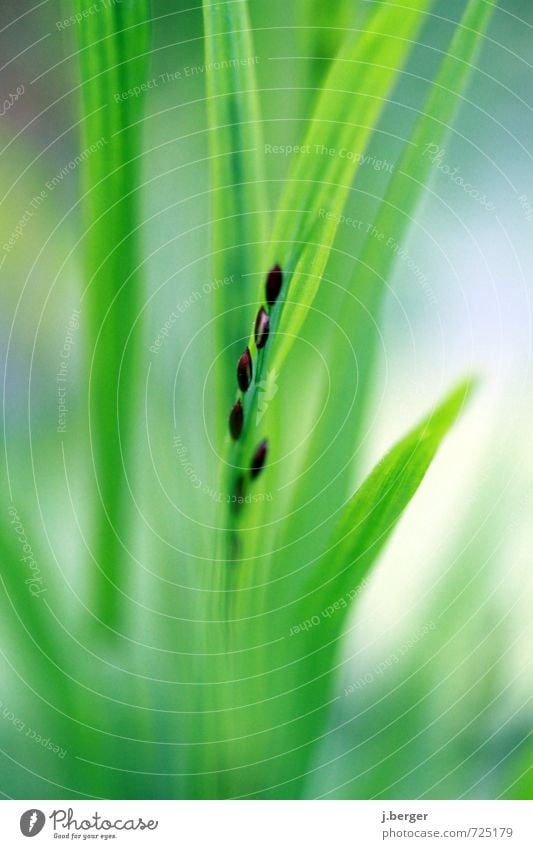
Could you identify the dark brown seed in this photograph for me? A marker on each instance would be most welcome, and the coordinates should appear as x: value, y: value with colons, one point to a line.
x: 236, y: 420
x: 273, y: 285
x: 239, y: 493
x: 244, y: 371
x: 262, y: 328
x: 259, y: 459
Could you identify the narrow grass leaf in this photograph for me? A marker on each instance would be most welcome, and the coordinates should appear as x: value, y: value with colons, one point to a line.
x: 412, y: 173
x: 373, y: 512
x: 113, y: 60
x: 354, y: 94
x: 239, y: 231
x: 347, y: 110
x: 375, y: 265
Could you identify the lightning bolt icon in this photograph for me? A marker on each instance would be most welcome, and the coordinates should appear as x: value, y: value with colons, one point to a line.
x: 33, y: 820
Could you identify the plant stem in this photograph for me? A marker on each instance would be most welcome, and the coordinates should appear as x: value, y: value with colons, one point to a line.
x: 113, y: 284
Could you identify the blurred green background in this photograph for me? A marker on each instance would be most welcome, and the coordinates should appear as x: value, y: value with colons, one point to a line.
x: 434, y: 689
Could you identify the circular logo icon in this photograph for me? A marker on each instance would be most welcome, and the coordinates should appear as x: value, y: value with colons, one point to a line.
x: 32, y: 822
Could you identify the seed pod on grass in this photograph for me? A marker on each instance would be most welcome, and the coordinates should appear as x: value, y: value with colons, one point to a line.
x: 274, y: 282
x: 259, y: 458
x: 244, y: 371
x: 239, y: 493
x: 236, y: 420
x: 262, y: 328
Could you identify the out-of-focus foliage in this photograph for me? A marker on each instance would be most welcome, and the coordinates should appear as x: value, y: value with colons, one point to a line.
x: 216, y: 679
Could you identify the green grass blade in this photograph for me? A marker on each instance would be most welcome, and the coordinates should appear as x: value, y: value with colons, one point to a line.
x: 302, y: 670
x: 407, y: 184
x: 349, y: 106
x: 365, y: 526
x: 238, y: 197
x: 374, y: 266
x: 356, y: 88
x: 373, y: 512
x: 324, y: 35
x: 113, y: 58
x: 238, y: 242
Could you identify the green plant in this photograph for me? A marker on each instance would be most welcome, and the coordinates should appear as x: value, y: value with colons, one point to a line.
x: 114, y: 58
x: 247, y: 621
x: 261, y: 598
